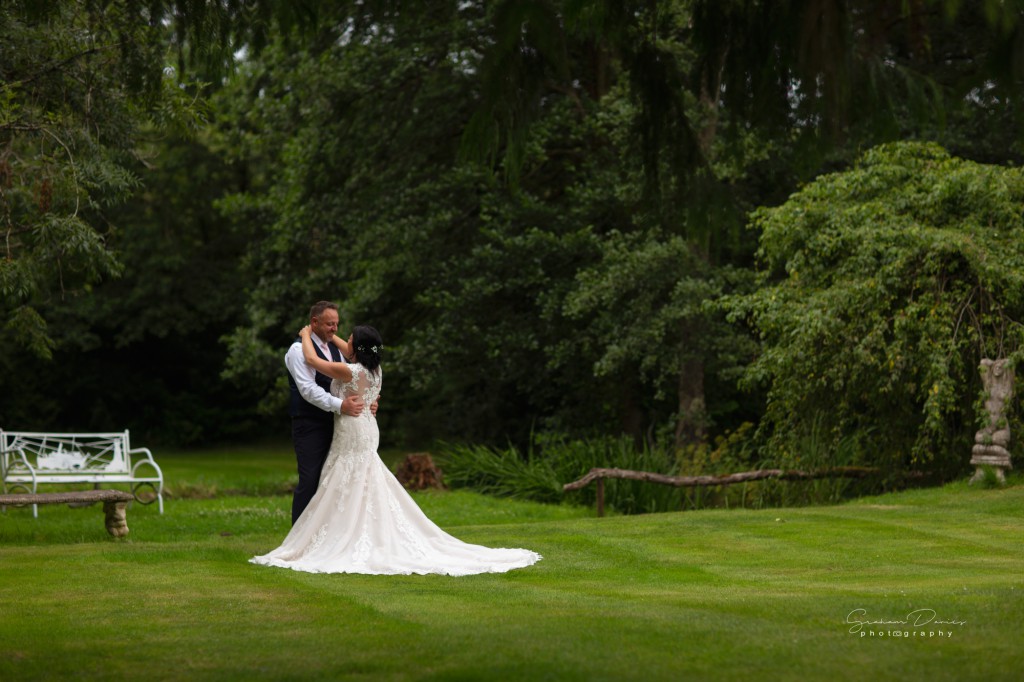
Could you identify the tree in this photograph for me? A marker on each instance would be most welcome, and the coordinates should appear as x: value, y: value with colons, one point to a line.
x: 882, y: 287
x: 115, y: 259
x: 352, y: 149
x: 624, y: 147
x: 78, y: 82
x: 720, y: 91
x: 648, y: 304
x: 826, y: 73
x: 346, y: 148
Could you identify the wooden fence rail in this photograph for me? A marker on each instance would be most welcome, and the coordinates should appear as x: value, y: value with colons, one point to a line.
x: 599, y: 474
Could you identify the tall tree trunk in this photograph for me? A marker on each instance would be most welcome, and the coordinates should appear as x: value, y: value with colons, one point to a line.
x: 631, y: 413
x: 692, y: 419
x: 600, y: 65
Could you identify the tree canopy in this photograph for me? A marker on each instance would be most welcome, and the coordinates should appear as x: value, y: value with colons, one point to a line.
x: 882, y: 289
x: 81, y: 84
x: 540, y: 204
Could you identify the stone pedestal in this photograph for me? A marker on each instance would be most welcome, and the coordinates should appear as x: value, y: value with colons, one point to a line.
x: 115, y: 518
x: 991, y: 443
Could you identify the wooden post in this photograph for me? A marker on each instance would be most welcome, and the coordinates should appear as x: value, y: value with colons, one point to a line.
x: 600, y: 497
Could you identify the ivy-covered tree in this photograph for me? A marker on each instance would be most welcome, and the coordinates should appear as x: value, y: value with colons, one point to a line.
x: 882, y: 288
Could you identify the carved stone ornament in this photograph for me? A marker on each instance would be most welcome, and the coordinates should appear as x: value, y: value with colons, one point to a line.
x: 991, y: 443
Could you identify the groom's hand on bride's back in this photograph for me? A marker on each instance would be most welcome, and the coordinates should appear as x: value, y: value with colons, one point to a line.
x: 353, y: 406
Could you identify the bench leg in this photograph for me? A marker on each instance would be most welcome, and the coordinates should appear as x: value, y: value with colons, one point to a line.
x: 35, y: 510
x: 117, y: 523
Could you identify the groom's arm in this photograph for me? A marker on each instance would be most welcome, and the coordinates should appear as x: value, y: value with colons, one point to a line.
x: 305, y: 381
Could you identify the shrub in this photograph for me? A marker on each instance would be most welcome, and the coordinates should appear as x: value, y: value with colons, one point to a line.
x: 552, y: 461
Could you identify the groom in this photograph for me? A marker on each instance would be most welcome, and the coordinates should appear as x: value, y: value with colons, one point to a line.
x: 311, y: 405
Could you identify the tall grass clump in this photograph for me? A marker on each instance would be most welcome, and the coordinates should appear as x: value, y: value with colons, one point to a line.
x: 813, y: 449
x: 503, y: 473
x: 539, y: 472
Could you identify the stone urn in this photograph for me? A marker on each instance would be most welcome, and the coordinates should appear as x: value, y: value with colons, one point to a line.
x: 991, y: 443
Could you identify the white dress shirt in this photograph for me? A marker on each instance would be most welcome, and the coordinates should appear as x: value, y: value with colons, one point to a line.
x: 305, y: 377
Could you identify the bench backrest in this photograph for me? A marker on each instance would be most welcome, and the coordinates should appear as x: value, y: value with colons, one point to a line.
x: 63, y: 455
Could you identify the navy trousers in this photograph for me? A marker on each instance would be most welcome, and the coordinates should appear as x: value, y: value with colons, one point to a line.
x: 312, y: 440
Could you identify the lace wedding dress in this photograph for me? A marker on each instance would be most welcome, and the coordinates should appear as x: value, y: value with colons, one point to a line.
x: 361, y: 519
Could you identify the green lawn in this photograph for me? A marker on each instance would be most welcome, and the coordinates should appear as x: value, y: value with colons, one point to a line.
x: 709, y: 595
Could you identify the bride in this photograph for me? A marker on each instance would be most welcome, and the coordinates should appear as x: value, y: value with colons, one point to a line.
x: 361, y: 519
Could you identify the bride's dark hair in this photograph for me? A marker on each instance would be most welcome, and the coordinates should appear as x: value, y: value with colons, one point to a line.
x: 367, y: 346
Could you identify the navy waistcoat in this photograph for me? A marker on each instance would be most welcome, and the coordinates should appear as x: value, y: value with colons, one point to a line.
x: 297, y: 406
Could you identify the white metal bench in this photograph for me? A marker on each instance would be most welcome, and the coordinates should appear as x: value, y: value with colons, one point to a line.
x: 30, y: 459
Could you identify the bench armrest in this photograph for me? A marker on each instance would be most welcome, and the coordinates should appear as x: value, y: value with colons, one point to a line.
x: 147, y: 459
x: 14, y: 456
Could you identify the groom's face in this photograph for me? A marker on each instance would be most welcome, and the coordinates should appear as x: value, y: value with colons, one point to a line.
x: 326, y: 325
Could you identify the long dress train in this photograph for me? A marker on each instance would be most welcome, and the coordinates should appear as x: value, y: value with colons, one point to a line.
x: 361, y: 519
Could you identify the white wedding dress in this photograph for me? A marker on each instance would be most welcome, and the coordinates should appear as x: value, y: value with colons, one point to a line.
x: 361, y: 519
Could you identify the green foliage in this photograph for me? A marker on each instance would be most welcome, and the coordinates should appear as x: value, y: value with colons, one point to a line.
x: 352, y: 151
x: 882, y: 288
x: 566, y: 285
x: 503, y: 473
x: 646, y: 307
x: 347, y: 149
x: 106, y: 192
x: 142, y: 351
x: 540, y: 472
x: 80, y: 82
x: 838, y: 73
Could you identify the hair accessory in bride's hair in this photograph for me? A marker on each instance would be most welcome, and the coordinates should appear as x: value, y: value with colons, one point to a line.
x: 372, y: 349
